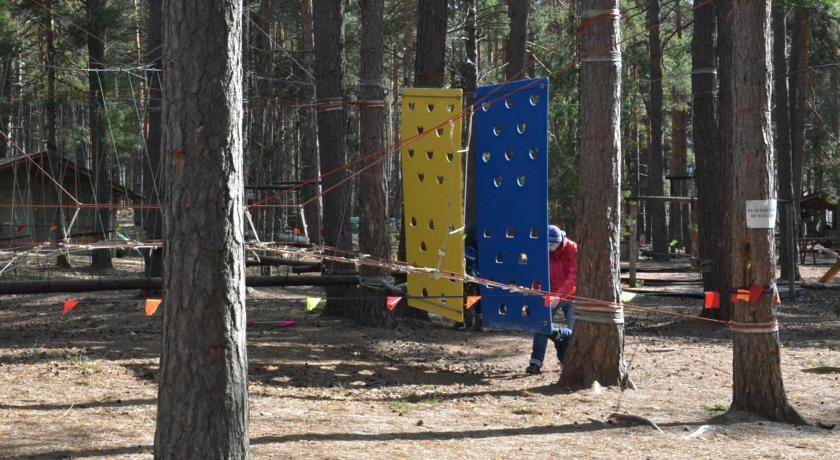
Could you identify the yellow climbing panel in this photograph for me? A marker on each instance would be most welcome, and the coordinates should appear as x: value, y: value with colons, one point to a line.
x: 432, y: 195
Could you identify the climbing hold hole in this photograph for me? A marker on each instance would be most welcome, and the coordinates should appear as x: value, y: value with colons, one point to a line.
x: 509, y: 155
x: 419, y: 130
x: 510, y: 233
x: 450, y: 157
x: 523, y: 258
x: 413, y: 222
x: 534, y: 99
x: 497, y: 130
x: 421, y: 176
x: 503, y: 309
x: 533, y: 154
x: 485, y: 106
x: 425, y: 292
x: 440, y: 180
x: 411, y: 107
x: 509, y: 103
x: 520, y: 181
x: 430, y: 107
x: 485, y: 157
x: 423, y: 246
x: 450, y: 108
x: 487, y: 232
x: 498, y: 181
x: 520, y: 128
x: 431, y: 225
x: 439, y: 132
x: 411, y: 153
x: 500, y: 259
x: 430, y: 154
x: 535, y: 233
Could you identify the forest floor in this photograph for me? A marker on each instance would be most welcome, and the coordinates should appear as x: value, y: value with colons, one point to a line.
x: 84, y: 385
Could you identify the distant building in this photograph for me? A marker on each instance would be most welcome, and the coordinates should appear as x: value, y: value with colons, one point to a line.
x: 29, y: 200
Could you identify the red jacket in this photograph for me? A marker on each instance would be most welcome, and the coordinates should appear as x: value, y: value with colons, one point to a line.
x: 563, y: 269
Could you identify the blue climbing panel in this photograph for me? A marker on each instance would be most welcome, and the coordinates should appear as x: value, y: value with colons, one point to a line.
x: 511, y: 147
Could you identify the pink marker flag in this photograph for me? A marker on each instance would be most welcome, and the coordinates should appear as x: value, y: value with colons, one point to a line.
x: 392, y: 302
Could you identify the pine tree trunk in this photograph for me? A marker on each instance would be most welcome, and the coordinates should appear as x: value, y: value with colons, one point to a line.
x: 153, y: 180
x: 679, y: 169
x: 431, y: 43
x: 757, y: 375
x: 517, y: 45
x: 470, y: 70
x: 781, y: 115
x: 714, y: 167
x: 50, y: 106
x: 102, y: 166
x: 53, y: 156
x: 429, y: 62
x: 308, y: 126
x: 596, y: 351
x: 799, y: 51
x: 203, y: 395
x: 656, y: 170
x: 329, y: 76
x: 373, y: 231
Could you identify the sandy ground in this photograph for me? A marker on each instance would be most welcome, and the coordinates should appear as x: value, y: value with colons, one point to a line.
x: 84, y: 385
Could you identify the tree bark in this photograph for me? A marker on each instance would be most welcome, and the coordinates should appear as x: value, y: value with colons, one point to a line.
x: 781, y: 114
x: 714, y: 173
x: 153, y: 180
x: 656, y: 171
x: 799, y: 62
x: 431, y: 43
x: 757, y: 375
x: 517, y: 45
x: 679, y: 169
x: 596, y: 351
x: 711, y: 169
x: 308, y: 126
x: 329, y: 76
x: 470, y: 71
x: 102, y: 164
x: 49, y: 107
x: 373, y: 222
x: 429, y: 67
x: 203, y: 395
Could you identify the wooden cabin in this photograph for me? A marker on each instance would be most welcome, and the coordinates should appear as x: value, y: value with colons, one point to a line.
x: 30, y: 200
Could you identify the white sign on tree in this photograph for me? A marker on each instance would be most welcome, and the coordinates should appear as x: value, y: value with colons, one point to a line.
x: 761, y: 213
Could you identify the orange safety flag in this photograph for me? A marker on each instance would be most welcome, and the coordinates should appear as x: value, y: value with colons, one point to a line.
x: 712, y: 300
x: 741, y: 295
x: 69, y: 305
x: 755, y: 293
x: 53, y: 228
x: 152, y: 306
x: 392, y: 302
x: 471, y: 300
x: 776, y: 297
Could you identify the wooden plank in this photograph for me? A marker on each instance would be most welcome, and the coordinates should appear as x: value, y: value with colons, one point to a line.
x: 831, y: 273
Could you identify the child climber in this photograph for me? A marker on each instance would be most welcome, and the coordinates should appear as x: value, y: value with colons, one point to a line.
x: 562, y: 261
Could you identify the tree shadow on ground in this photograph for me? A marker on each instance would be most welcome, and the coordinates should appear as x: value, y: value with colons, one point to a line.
x: 84, y: 405
x: 572, y: 428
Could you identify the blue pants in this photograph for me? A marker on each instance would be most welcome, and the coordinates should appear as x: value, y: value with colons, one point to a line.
x: 560, y: 337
